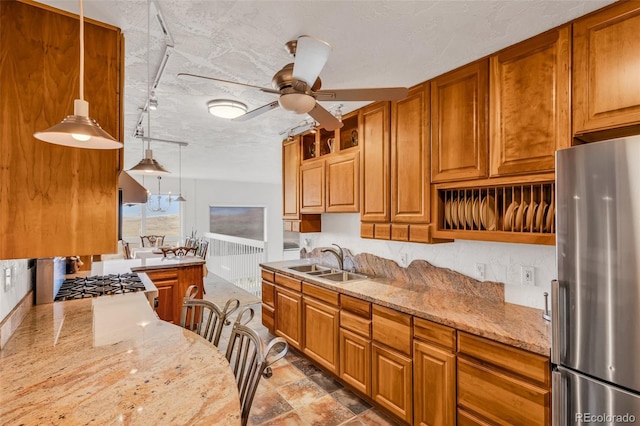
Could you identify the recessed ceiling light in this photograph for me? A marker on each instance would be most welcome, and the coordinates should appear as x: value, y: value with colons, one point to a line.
x: 226, y: 108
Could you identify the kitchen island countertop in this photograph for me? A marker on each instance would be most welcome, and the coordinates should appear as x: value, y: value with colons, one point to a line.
x: 110, y: 360
x: 514, y: 325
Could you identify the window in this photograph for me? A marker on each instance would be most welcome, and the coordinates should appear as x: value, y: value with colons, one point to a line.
x: 160, y: 216
x: 243, y: 222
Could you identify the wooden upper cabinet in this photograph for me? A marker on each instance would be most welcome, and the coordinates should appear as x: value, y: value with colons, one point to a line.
x: 343, y: 183
x: 53, y: 197
x: 290, y: 179
x: 459, y: 129
x: 410, y: 159
x: 312, y: 187
x: 529, y: 103
x: 374, y: 170
x: 606, y: 72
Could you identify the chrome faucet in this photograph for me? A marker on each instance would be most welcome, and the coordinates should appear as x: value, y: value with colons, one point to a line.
x: 337, y: 253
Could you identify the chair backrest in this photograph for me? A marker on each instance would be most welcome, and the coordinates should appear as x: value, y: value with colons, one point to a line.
x: 190, y: 242
x: 250, y: 359
x: 204, y: 317
x: 178, y: 251
x: 126, y: 250
x: 152, y: 240
x: 202, y: 249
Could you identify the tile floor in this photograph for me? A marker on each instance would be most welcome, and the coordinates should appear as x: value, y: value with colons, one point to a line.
x: 299, y: 393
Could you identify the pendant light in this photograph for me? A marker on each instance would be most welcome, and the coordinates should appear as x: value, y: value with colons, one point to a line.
x: 79, y: 130
x: 148, y: 165
x: 180, y: 197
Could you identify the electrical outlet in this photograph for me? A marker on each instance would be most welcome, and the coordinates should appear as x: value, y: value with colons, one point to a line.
x: 404, y: 260
x: 7, y: 279
x: 528, y: 277
x: 480, y: 271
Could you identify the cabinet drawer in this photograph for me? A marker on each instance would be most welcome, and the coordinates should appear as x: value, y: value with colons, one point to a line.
x: 435, y: 333
x: 356, y: 324
x: 268, y: 275
x: 392, y: 328
x: 501, y: 398
x: 532, y: 366
x: 355, y: 306
x: 268, y: 318
x: 290, y: 283
x: 382, y: 231
x: 366, y: 230
x: 467, y: 419
x: 163, y: 274
x: 268, y: 293
x: 328, y: 296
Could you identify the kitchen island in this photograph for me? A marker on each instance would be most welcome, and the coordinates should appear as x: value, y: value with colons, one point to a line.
x: 110, y: 360
x: 171, y: 276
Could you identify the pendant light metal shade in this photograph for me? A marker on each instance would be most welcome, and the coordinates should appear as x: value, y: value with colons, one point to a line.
x: 79, y: 130
x: 180, y: 198
x: 148, y: 165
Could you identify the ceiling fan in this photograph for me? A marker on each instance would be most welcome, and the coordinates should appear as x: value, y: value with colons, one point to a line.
x: 298, y: 85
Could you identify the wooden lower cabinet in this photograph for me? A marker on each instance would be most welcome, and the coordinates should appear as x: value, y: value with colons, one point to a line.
x: 391, y: 381
x: 434, y: 385
x: 172, y: 284
x: 355, y: 360
x: 468, y: 419
x: 321, y: 328
x: 288, y: 316
x: 499, y: 384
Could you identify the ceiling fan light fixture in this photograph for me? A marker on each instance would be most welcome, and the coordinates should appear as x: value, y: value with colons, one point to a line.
x: 226, y: 108
x: 300, y: 103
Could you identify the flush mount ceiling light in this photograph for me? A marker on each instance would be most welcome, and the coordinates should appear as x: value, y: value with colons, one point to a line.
x: 79, y: 130
x: 226, y: 108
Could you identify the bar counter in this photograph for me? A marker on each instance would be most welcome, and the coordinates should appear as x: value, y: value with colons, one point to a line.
x: 110, y: 360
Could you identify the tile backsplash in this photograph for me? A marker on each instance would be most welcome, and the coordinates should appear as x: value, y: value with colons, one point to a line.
x: 502, y: 262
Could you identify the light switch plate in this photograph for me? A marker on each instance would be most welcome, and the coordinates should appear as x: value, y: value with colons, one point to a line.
x: 7, y: 278
x: 480, y: 271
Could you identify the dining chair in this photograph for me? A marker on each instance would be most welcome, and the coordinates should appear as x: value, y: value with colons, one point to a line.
x: 178, y: 251
x: 201, y: 251
x: 205, y: 317
x: 250, y: 359
x: 152, y: 240
x: 126, y: 249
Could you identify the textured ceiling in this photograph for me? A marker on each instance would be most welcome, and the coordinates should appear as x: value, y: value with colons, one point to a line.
x: 375, y: 44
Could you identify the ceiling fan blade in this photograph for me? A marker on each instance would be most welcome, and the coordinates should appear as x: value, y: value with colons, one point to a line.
x: 325, y: 118
x: 374, y: 94
x: 311, y: 55
x: 256, y: 112
x: 189, y: 76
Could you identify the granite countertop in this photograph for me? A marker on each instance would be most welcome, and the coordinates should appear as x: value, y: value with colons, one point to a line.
x: 110, y: 360
x: 119, y: 266
x: 514, y: 325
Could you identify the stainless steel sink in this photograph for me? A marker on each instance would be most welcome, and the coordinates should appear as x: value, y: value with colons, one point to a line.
x: 314, y: 267
x: 322, y: 272
x: 343, y: 276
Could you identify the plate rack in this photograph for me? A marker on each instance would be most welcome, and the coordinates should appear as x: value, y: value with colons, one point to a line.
x: 510, y: 210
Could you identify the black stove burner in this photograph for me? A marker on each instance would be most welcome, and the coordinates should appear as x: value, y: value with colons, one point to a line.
x: 99, y: 285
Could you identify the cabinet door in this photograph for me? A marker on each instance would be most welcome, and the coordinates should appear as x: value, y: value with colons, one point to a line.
x: 392, y: 381
x: 410, y: 163
x: 343, y: 183
x: 355, y: 361
x: 529, y: 104
x: 321, y: 327
x: 290, y: 179
x: 166, y: 281
x: 434, y: 378
x: 459, y: 128
x: 606, y: 93
x: 374, y: 151
x: 312, y: 187
x: 289, y: 316
x: 56, y: 200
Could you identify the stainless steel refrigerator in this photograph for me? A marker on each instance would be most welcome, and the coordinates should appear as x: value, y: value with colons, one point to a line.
x: 596, y: 299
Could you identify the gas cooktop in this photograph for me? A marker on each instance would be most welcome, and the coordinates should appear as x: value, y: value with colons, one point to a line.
x: 99, y: 285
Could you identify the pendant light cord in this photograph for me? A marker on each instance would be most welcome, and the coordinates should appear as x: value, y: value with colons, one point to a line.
x: 148, y: 73
x: 81, y: 51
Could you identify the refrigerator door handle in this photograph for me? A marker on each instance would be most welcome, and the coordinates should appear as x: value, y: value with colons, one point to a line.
x: 558, y: 400
x: 555, y: 322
